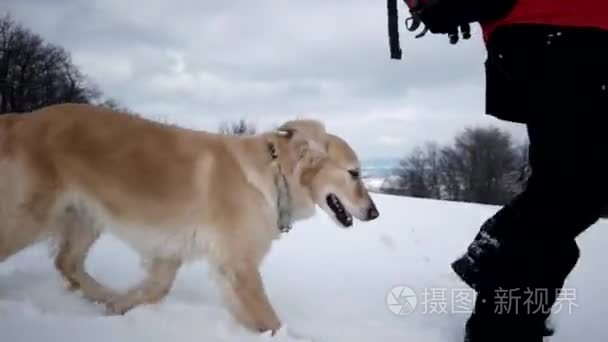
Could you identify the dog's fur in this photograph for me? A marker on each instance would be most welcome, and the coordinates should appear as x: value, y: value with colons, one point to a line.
x: 174, y: 195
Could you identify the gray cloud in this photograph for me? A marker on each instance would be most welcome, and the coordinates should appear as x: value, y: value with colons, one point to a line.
x: 200, y: 62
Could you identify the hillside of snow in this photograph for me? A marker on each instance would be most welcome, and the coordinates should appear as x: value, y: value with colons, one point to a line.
x: 326, y: 283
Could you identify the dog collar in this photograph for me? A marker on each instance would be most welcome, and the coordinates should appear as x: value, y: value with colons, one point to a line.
x: 283, y: 195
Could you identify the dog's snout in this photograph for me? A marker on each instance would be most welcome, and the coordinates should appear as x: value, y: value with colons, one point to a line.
x: 372, y: 212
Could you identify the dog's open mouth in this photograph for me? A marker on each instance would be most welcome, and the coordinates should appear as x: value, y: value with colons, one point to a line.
x: 343, y: 216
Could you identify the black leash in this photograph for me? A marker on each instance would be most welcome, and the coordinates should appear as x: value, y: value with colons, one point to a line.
x: 393, y: 29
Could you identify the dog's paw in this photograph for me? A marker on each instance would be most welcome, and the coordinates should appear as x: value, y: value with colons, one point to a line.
x: 118, y: 306
x: 269, y: 329
x: 286, y: 333
x: 268, y: 332
x: 97, y: 295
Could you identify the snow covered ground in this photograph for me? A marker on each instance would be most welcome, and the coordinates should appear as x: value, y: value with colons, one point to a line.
x: 327, y: 284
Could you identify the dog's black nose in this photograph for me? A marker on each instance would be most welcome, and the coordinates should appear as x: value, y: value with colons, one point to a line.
x: 372, y: 213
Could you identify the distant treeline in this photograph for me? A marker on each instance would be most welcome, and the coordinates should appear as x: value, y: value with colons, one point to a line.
x: 482, y: 165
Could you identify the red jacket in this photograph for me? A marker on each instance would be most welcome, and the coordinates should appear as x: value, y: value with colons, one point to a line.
x: 577, y: 13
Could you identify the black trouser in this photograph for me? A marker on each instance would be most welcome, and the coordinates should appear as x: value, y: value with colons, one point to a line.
x: 523, y: 254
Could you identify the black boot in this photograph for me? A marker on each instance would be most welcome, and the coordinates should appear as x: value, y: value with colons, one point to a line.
x: 486, y: 333
x: 492, y: 321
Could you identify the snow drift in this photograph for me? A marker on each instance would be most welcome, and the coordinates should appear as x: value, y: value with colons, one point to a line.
x: 326, y: 283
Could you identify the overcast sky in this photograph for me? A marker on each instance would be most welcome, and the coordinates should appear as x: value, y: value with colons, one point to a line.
x: 197, y: 63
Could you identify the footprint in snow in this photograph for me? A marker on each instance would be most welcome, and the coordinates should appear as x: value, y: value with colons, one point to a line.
x: 388, y: 242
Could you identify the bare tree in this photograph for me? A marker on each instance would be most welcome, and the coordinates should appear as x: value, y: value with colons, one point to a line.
x: 34, y: 73
x: 114, y: 105
x: 418, y: 175
x: 518, y: 179
x: 240, y: 127
x: 478, y: 167
x: 411, y: 173
x: 486, y: 156
x: 451, y: 166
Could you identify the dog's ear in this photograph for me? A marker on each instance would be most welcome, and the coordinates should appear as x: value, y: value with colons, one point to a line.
x: 307, y: 140
x: 285, y: 132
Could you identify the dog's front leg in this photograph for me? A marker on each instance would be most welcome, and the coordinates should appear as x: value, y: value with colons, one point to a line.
x: 243, y: 290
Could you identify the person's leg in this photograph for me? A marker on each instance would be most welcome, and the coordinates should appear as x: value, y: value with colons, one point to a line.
x: 517, y: 307
x: 522, y: 255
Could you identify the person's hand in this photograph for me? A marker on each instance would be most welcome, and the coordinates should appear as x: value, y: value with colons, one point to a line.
x: 438, y: 17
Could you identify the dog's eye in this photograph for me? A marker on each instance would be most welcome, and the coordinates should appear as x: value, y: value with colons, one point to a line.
x: 354, y: 173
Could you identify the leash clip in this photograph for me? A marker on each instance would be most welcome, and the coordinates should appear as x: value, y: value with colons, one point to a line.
x: 413, y: 23
x: 285, y: 228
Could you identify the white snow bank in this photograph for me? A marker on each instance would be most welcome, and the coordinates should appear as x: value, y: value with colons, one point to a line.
x: 327, y: 284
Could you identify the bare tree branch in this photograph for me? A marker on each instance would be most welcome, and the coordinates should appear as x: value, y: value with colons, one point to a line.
x: 34, y: 73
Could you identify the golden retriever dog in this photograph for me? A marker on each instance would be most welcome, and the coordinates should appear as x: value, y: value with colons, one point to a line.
x: 174, y: 195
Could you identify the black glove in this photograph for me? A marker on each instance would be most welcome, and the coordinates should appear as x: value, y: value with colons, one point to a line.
x: 439, y: 16
x: 451, y: 16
